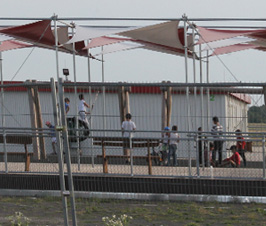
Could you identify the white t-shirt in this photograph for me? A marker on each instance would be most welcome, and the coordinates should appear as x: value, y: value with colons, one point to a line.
x: 174, y: 138
x: 128, y: 125
x: 82, y: 106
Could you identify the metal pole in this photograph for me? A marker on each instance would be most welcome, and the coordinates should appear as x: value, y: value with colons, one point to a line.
x: 3, y: 112
x: 104, y: 110
x: 263, y: 157
x: 208, y: 101
x: 75, y: 102
x: 197, y: 155
x: 195, y: 80
x: 67, y: 152
x: 187, y: 88
x: 201, y: 91
x: 90, y: 103
x: 59, y: 153
x: 131, y: 154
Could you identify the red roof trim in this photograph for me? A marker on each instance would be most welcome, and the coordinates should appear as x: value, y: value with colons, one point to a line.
x: 134, y: 89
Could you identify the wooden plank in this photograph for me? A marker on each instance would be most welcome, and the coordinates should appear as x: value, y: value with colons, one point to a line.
x: 39, y: 120
x: 105, y: 160
x: 33, y: 118
x: 16, y: 153
x: 16, y: 139
x: 27, y: 159
x: 125, y: 156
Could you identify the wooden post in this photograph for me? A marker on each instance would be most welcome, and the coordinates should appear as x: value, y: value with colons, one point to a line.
x: 27, y: 159
x: 169, y: 105
x: 105, y: 161
x: 39, y: 120
x: 164, y: 108
x: 121, y: 103
x: 33, y: 115
x: 127, y: 104
x: 124, y: 104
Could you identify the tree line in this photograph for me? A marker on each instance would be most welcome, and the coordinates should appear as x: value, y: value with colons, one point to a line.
x: 257, y: 114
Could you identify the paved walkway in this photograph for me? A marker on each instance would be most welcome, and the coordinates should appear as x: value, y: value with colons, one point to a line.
x: 43, y: 168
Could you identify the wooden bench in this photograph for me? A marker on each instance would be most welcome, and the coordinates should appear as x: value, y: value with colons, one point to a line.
x: 123, y: 142
x: 19, y: 139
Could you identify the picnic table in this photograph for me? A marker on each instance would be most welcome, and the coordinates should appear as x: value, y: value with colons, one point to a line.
x: 123, y: 142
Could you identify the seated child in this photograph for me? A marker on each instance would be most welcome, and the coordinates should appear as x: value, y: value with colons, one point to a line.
x: 234, y: 160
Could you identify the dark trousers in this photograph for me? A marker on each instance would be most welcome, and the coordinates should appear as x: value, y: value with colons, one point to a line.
x: 218, y: 146
x: 242, y: 154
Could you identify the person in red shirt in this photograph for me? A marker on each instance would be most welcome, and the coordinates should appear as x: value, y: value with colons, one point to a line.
x: 234, y: 160
x: 240, y: 145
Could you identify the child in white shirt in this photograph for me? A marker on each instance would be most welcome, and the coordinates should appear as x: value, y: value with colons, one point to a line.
x: 174, y: 140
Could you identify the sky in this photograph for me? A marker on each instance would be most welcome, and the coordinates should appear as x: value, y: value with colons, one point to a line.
x: 134, y: 65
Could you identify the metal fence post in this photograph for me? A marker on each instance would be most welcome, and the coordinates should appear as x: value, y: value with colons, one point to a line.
x: 189, y: 159
x: 263, y: 156
x: 59, y: 153
x: 197, y: 154
x: 67, y: 151
x: 131, y: 154
x: 5, y: 151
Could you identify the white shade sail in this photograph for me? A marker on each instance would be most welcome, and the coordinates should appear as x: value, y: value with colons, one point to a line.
x: 119, y: 47
x: 85, y: 33
x: 4, y: 38
x: 166, y: 34
x: 228, y: 42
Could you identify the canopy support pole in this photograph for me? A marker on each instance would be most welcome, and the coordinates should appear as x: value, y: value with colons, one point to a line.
x: 195, y: 80
x: 57, y: 118
x: 67, y: 152
x: 76, y: 96
x: 187, y: 90
x: 90, y: 103
x: 59, y: 153
x: 104, y: 110
x: 3, y: 112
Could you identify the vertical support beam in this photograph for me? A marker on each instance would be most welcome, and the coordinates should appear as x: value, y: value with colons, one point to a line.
x: 127, y: 103
x: 34, y: 125
x: 164, y: 107
x: 27, y: 159
x: 201, y: 92
x: 104, y: 105
x: 121, y: 99
x: 208, y: 91
x: 263, y: 157
x: 186, y: 72
x: 59, y: 152
x: 76, y: 96
x: 39, y: 121
x: 105, y: 160
x: 194, y: 80
x: 67, y: 152
x: 169, y: 105
x: 3, y: 113
x: 90, y: 103
x: 149, y: 158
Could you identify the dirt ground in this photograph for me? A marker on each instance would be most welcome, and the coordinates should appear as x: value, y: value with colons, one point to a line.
x: 48, y: 211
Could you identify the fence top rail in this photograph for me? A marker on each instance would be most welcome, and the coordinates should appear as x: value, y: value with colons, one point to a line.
x: 248, y: 86
x: 165, y: 84
x: 133, y: 18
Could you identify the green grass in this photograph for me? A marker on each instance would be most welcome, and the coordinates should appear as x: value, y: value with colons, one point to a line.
x: 91, y: 211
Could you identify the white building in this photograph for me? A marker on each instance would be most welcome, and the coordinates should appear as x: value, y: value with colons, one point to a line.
x: 145, y: 106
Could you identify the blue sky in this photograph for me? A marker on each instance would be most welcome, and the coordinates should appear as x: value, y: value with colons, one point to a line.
x: 134, y: 65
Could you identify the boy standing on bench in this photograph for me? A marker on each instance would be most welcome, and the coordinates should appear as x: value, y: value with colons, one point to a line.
x: 127, y: 126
